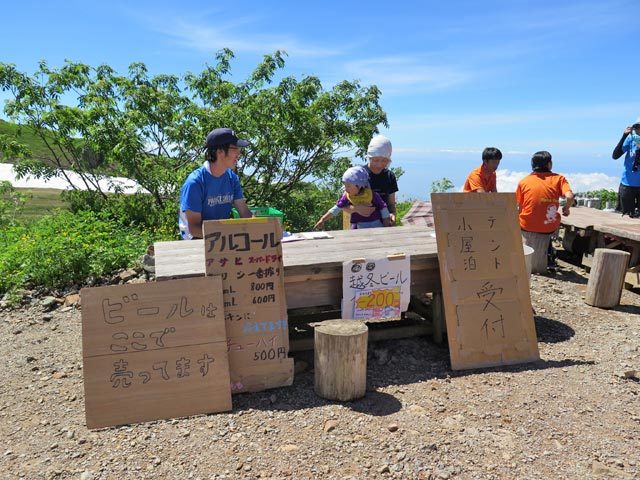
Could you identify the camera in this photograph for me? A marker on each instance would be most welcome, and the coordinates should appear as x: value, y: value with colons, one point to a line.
x: 636, y: 161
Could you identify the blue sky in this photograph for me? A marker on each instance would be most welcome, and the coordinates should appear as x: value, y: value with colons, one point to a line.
x: 455, y: 76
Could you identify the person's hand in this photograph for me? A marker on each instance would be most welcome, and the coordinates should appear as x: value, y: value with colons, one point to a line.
x: 565, y: 210
x: 627, y: 130
x: 392, y: 219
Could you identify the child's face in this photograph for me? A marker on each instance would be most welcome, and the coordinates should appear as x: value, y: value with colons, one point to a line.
x: 351, y: 188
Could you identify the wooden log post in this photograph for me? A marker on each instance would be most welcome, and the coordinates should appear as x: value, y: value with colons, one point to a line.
x: 340, y: 358
x: 540, y: 243
x: 606, y: 278
x: 439, y: 323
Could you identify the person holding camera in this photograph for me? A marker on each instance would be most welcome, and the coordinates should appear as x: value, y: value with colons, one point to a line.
x: 629, y: 190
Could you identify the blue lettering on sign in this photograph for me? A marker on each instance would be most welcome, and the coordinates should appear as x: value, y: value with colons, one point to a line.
x: 269, y: 326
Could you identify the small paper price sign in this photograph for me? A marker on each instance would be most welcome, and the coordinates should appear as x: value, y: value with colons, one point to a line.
x: 383, y: 303
x: 376, y: 289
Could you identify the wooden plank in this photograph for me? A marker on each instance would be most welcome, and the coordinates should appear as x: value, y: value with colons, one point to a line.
x: 390, y: 333
x: 621, y: 230
x: 313, y: 268
x: 186, y: 258
x: 325, y: 288
x: 154, y: 350
x: 585, y: 218
x: 484, y: 281
x: 247, y: 254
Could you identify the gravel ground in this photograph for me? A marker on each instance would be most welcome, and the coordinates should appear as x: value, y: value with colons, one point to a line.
x: 574, y: 414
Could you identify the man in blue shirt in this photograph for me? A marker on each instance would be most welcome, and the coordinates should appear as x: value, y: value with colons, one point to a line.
x: 210, y: 191
x: 629, y: 190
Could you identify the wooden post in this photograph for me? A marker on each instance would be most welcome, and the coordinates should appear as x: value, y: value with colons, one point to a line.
x: 439, y: 324
x: 540, y: 243
x: 346, y: 220
x: 340, y: 358
x: 606, y: 279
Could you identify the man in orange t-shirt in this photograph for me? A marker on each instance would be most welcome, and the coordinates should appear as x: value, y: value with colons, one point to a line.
x: 483, y: 178
x: 538, y: 196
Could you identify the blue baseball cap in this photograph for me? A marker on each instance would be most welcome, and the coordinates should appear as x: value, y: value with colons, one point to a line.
x: 223, y: 136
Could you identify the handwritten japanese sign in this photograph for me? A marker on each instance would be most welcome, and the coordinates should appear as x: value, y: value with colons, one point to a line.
x: 247, y: 254
x: 154, y: 350
x: 484, y: 280
x: 376, y: 289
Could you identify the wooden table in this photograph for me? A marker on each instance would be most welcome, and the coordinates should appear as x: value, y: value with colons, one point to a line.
x: 313, y: 268
x: 587, y: 218
x: 604, y: 230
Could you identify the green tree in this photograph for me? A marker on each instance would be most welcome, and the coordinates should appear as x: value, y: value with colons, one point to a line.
x: 442, y: 185
x: 603, y: 194
x: 150, y: 128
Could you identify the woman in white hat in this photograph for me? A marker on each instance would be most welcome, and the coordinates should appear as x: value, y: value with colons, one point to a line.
x: 381, y: 179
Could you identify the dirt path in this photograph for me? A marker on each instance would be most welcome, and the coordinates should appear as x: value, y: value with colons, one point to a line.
x: 571, y: 415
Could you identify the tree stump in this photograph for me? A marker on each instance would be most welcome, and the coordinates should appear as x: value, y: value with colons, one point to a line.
x: 606, y: 278
x: 340, y: 359
x: 540, y: 244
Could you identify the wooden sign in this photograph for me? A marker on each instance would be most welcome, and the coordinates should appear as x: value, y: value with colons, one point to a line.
x: 484, y: 280
x: 154, y: 350
x: 247, y: 253
x: 376, y: 289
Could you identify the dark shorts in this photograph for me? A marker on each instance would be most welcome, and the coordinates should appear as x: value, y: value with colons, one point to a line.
x: 629, y: 199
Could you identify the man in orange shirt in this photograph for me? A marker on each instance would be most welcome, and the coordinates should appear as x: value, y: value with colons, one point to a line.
x: 483, y: 178
x: 538, y: 196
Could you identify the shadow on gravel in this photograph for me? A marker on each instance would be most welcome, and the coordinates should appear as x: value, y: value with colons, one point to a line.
x: 524, y: 367
x: 552, y: 331
x: 566, y: 275
x: 377, y: 404
x: 391, y: 363
x: 301, y: 396
x: 634, y: 309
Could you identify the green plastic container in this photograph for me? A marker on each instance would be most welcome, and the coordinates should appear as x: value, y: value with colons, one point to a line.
x: 261, y: 212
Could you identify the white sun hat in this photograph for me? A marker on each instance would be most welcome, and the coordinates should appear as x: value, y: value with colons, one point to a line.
x: 379, y: 146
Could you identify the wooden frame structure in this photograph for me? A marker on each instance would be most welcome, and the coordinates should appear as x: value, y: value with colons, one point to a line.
x: 313, y: 268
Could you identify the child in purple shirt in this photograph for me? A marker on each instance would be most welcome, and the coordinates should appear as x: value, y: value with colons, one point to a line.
x: 357, y: 192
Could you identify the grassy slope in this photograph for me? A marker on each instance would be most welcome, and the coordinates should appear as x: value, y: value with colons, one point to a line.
x: 28, y: 137
x: 41, y: 202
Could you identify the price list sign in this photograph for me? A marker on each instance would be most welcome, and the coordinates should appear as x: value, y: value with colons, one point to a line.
x: 154, y: 350
x: 484, y: 280
x: 247, y: 254
x: 376, y: 289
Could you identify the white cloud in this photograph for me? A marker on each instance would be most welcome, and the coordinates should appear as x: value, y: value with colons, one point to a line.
x: 573, y: 115
x: 396, y: 74
x: 451, y: 151
x: 507, y: 181
x: 584, y: 182
x: 208, y: 38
